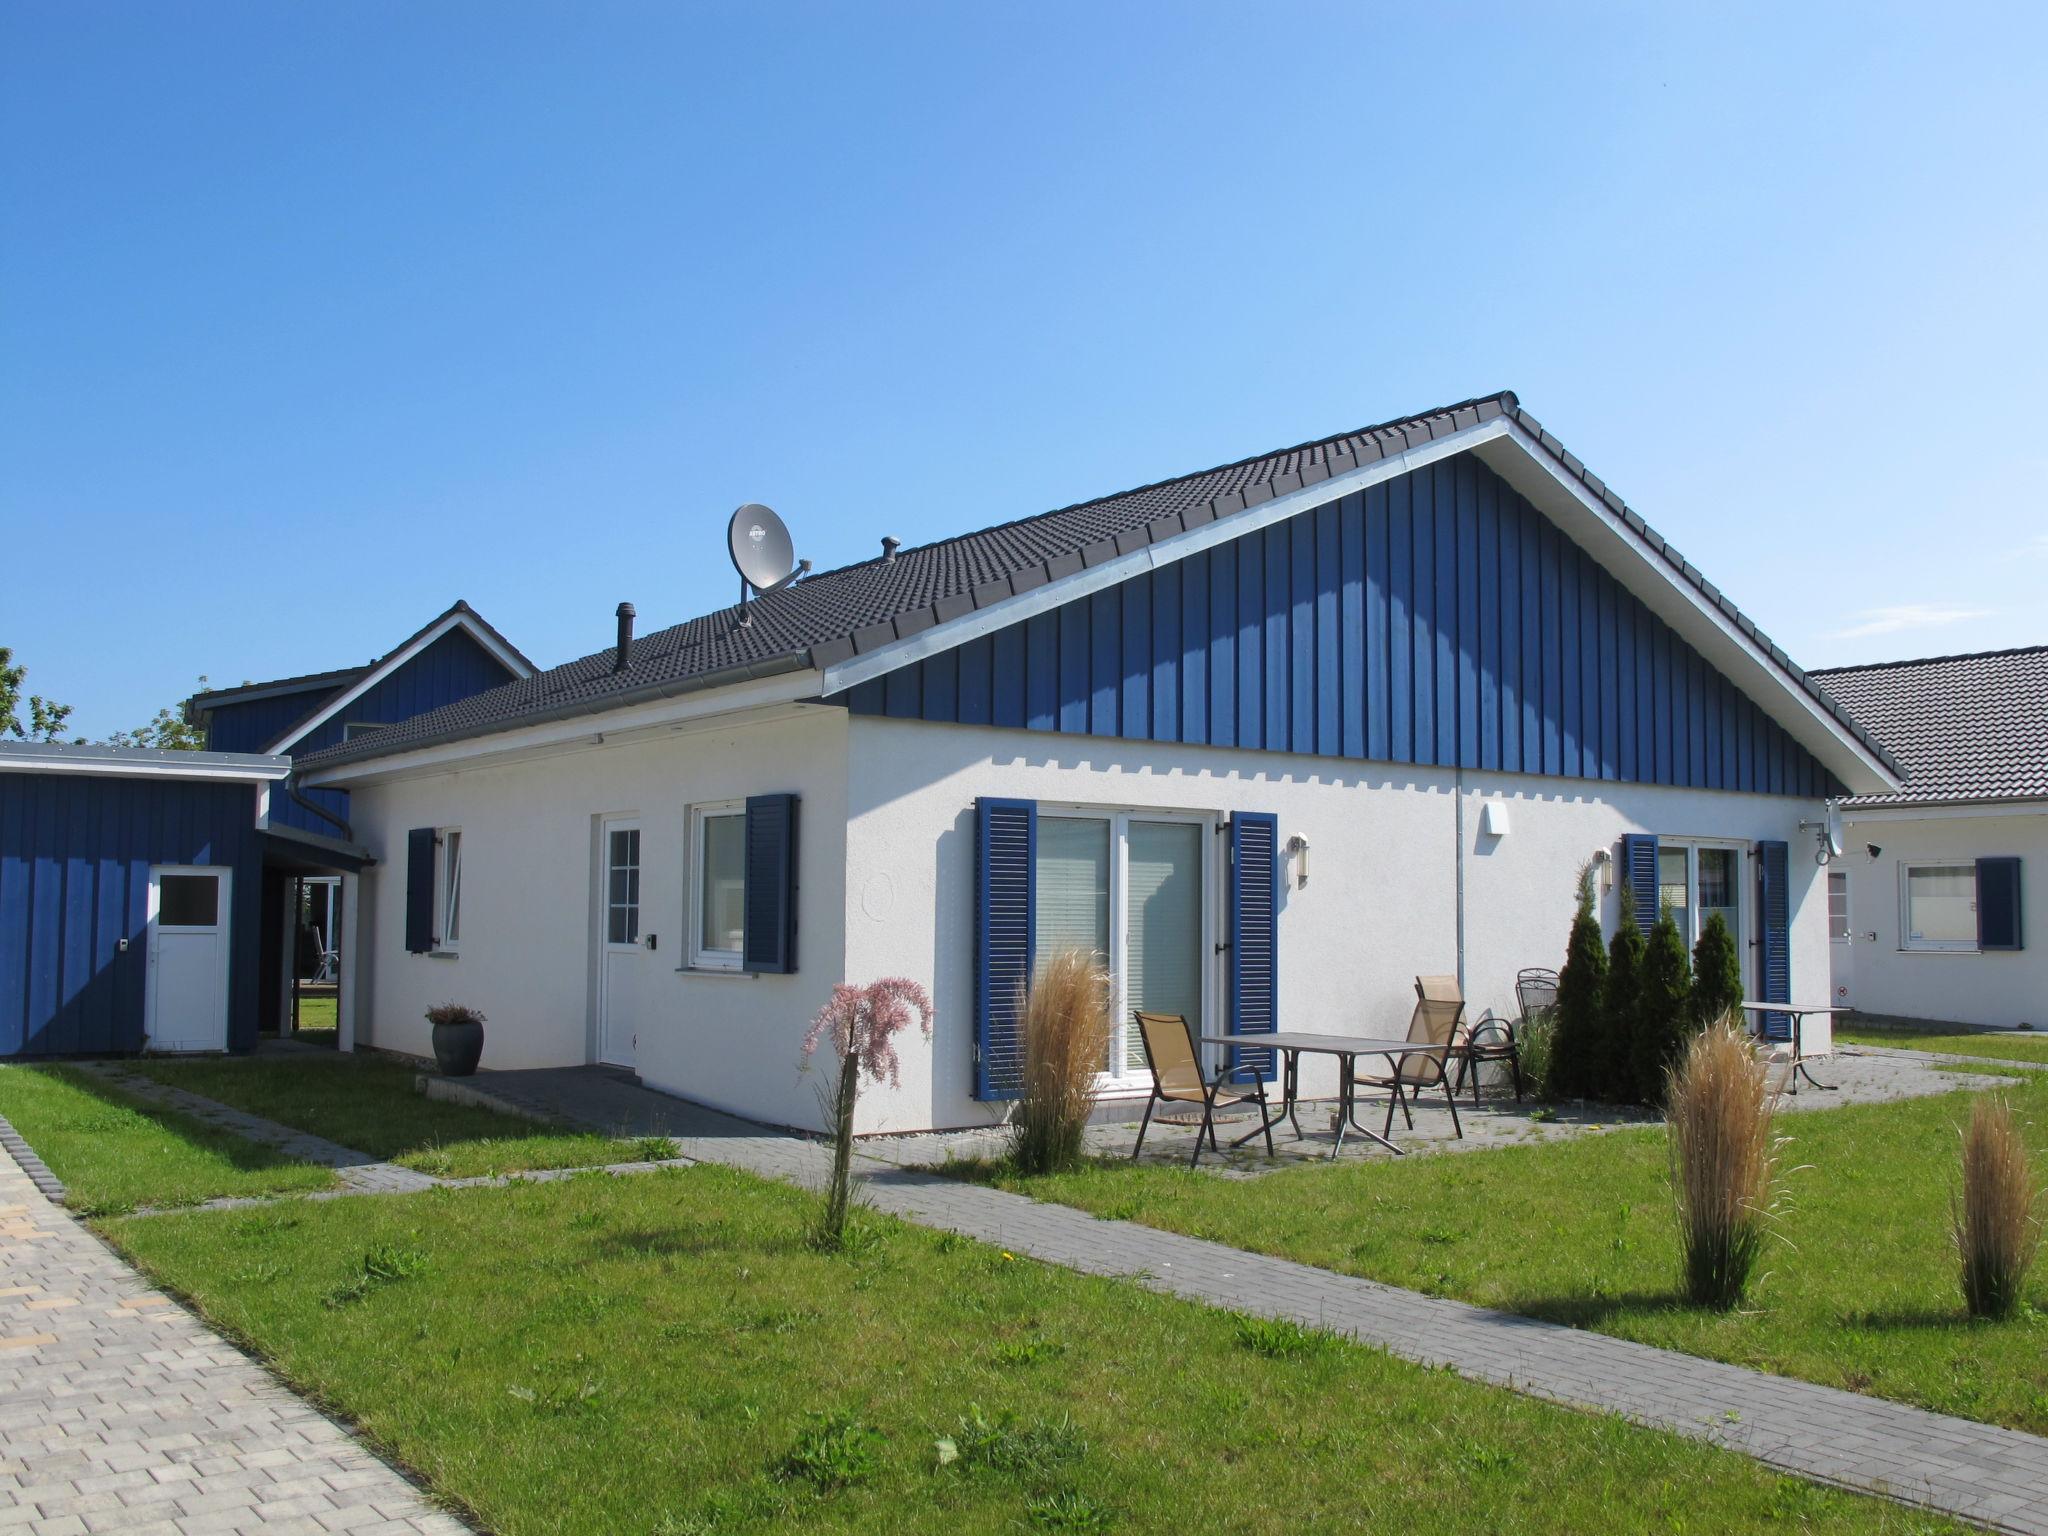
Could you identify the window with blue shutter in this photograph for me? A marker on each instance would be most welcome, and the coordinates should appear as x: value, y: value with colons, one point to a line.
x: 769, y: 944
x: 1639, y: 876
x: 1005, y: 917
x: 1254, y: 938
x: 1774, y: 933
x: 419, y: 890
x: 1998, y: 904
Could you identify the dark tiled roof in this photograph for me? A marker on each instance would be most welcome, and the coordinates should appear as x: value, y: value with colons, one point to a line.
x: 837, y: 614
x: 326, y: 682
x: 1969, y: 727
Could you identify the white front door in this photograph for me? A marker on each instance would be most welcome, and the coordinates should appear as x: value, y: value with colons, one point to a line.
x: 186, y: 997
x: 619, y: 953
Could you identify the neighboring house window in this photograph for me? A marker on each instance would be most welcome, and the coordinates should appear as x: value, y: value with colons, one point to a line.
x: 354, y: 728
x: 1838, y: 908
x: 718, y: 884
x: 1134, y: 890
x: 622, y: 886
x: 449, y: 905
x: 1940, y: 906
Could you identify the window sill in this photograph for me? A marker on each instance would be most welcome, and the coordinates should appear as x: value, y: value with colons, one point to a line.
x: 731, y: 973
x: 1916, y: 949
x: 444, y: 954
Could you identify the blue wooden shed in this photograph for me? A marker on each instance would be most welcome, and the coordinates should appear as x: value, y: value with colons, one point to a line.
x: 130, y: 883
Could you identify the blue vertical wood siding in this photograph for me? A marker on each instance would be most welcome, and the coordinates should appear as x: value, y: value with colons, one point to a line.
x: 75, y: 854
x: 454, y: 667
x: 1438, y: 618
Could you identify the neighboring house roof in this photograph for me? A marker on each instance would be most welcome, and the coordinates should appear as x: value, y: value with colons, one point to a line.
x: 336, y: 689
x: 249, y: 693
x: 139, y: 762
x: 829, y: 618
x: 1970, y: 727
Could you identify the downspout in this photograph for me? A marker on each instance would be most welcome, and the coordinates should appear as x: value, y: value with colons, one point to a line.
x: 1460, y: 790
x: 291, y: 787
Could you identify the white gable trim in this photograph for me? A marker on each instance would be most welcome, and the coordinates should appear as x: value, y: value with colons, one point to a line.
x: 513, y: 663
x: 218, y: 767
x: 1519, y: 459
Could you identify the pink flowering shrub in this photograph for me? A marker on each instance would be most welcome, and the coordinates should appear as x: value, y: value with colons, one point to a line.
x: 862, y: 1023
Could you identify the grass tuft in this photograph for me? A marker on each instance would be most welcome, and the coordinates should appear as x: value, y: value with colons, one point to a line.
x: 832, y: 1451
x: 1279, y: 1338
x: 1723, y: 1163
x: 1066, y: 1040
x: 1996, y: 1231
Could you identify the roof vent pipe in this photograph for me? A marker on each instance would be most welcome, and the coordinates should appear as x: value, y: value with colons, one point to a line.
x: 889, y: 548
x: 625, y: 656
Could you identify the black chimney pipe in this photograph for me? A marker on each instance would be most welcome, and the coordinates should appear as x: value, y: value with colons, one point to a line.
x: 625, y: 656
x: 889, y: 548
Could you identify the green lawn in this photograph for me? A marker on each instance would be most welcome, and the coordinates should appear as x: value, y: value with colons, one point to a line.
x: 2005, y: 1045
x: 370, y: 1104
x: 316, y: 1020
x: 1861, y: 1294
x: 114, y: 1154
x: 663, y: 1355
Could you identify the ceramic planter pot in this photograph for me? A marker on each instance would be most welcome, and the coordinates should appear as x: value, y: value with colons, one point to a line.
x: 458, y: 1048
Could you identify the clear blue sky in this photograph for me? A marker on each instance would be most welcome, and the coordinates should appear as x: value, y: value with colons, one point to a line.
x: 314, y: 318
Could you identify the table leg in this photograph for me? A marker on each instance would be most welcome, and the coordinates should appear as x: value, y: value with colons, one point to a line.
x: 1266, y: 1120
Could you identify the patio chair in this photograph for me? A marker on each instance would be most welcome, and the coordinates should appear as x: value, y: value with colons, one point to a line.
x: 1492, y: 1038
x: 1176, y: 1062
x: 1435, y: 1022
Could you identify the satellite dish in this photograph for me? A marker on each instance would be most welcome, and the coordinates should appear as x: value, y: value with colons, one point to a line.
x: 760, y: 546
x: 1834, y: 833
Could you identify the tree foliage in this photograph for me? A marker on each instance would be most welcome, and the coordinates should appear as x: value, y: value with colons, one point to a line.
x: 1575, y: 1046
x: 1664, y: 1020
x: 1716, y: 973
x: 1621, y: 1007
x: 173, y: 730
x: 46, y: 717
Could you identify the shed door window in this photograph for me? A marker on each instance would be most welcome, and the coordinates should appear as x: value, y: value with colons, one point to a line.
x: 622, y: 886
x: 721, y: 886
x: 1941, y: 906
x: 1719, y: 888
x: 1673, y: 888
x: 188, y: 901
x: 1838, y: 908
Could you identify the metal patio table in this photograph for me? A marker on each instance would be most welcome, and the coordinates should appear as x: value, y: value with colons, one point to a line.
x: 1295, y: 1044
x: 1799, y: 1016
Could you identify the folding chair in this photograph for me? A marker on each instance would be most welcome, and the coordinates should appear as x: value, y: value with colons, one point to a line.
x: 1176, y: 1062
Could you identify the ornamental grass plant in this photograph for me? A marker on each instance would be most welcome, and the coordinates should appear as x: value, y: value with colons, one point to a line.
x: 1719, y: 1108
x: 1997, y: 1233
x: 1067, y: 1021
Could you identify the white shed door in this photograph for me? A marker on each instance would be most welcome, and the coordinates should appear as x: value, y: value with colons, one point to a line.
x: 188, y: 959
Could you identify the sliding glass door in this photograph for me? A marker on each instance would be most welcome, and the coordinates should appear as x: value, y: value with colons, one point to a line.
x: 1134, y: 889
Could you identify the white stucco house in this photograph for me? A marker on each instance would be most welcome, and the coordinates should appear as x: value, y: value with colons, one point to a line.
x: 1274, y: 738
x: 1927, y: 918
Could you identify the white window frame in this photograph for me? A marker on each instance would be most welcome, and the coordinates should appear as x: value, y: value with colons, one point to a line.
x: 1910, y: 945
x: 1743, y: 913
x: 701, y: 958
x: 448, y: 845
x: 1122, y: 1077
x: 1848, y: 933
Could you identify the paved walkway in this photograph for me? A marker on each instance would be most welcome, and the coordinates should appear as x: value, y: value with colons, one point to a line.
x: 358, y: 1171
x: 1995, y: 1477
x: 121, y: 1412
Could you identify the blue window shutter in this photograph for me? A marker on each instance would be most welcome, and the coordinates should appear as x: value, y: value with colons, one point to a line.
x: 1998, y: 904
x: 769, y: 946
x: 1005, y: 920
x: 419, y: 889
x: 1639, y: 869
x: 1254, y: 938
x: 1774, y: 928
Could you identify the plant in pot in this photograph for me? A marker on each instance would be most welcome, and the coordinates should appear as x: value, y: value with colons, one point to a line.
x: 458, y: 1038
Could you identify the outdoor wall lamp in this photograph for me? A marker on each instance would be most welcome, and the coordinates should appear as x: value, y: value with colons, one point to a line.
x: 1603, y: 860
x: 1297, y: 850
